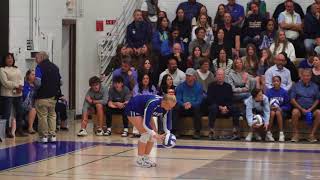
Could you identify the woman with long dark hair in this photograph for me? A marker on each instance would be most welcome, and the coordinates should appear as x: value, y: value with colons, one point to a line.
x: 144, y: 86
x: 160, y: 35
x: 146, y: 67
x: 11, y: 91
x: 183, y: 25
x: 166, y: 85
x: 219, y: 43
x: 251, y: 64
x: 218, y: 19
x: 222, y: 62
x: 193, y: 60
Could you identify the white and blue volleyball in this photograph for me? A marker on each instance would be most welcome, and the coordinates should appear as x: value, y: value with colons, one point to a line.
x: 274, y: 103
x: 257, y: 119
x: 169, y: 141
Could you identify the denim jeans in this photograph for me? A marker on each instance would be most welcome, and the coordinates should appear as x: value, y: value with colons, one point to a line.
x: 10, y: 103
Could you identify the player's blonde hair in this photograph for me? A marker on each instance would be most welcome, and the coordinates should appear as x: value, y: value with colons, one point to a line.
x: 169, y: 97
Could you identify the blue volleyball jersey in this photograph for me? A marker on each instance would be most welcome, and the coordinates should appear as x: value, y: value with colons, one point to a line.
x: 148, y: 106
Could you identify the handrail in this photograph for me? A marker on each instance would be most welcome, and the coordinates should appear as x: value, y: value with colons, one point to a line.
x: 108, y: 45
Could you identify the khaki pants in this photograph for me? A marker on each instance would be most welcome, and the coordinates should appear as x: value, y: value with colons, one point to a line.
x: 46, y: 116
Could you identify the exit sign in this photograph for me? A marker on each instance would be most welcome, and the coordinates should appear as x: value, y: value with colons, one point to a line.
x: 110, y: 22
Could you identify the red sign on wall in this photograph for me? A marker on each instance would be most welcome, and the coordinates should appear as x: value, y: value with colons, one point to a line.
x: 99, y: 25
x: 110, y: 22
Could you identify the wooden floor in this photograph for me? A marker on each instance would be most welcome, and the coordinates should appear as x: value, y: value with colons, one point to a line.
x: 113, y: 157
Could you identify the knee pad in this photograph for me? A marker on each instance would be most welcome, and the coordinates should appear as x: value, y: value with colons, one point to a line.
x: 151, y: 139
x: 144, y: 138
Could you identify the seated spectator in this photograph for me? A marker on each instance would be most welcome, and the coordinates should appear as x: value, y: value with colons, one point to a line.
x: 203, y: 22
x: 189, y: 98
x: 241, y: 82
x: 200, y: 42
x: 29, y: 89
x: 144, y: 86
x: 267, y: 37
x: 236, y: 11
x: 203, y: 11
x: 281, y: 7
x: 191, y: 8
x: 279, y: 109
x: 160, y: 35
x: 166, y: 85
x: 219, y: 19
x: 162, y: 14
x: 281, y: 44
x: 316, y: 70
x: 305, y: 99
x: 220, y: 103
x: 95, y: 100
x: 180, y: 55
x: 195, y: 58
x: 219, y: 43
x: 257, y: 104
x: 307, y: 63
x: 279, y: 70
x: 119, y: 95
x: 232, y: 34
x: 11, y: 91
x: 183, y: 25
x: 250, y: 61
x: 116, y: 60
x: 177, y: 74
x: 290, y: 22
x: 203, y: 75
x: 61, y: 111
x: 262, y: 7
x: 127, y: 72
x: 292, y: 68
x: 146, y: 67
x: 317, y: 2
x: 265, y: 62
x: 222, y: 62
x: 167, y: 45
x: 311, y: 27
x: 150, y: 10
x: 138, y: 32
x: 254, y: 25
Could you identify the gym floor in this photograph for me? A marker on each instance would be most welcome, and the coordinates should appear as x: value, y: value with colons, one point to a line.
x: 113, y: 157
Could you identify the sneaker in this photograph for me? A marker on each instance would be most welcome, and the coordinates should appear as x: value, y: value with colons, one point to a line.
x: 82, y: 132
x: 281, y: 137
x: 312, y: 139
x: 135, y: 135
x: 108, y: 133
x: 196, y: 135
x: 52, y: 138
x: 142, y: 163
x: 235, y: 137
x: 43, y: 139
x: 99, y: 132
x: 148, y: 160
x: 212, y: 135
x: 257, y: 137
x: 249, y: 137
x: 269, y: 137
x: 124, y: 133
x: 295, y: 138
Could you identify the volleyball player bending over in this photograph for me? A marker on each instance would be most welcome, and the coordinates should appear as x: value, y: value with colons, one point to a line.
x: 140, y: 111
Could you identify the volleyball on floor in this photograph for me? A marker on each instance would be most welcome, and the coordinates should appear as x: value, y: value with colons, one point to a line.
x: 274, y: 103
x: 169, y: 141
x: 257, y: 119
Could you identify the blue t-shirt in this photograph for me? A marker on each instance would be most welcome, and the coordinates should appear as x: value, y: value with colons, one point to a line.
x: 305, y: 95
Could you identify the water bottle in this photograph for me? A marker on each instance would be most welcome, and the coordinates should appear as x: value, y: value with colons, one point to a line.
x: 309, y: 117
